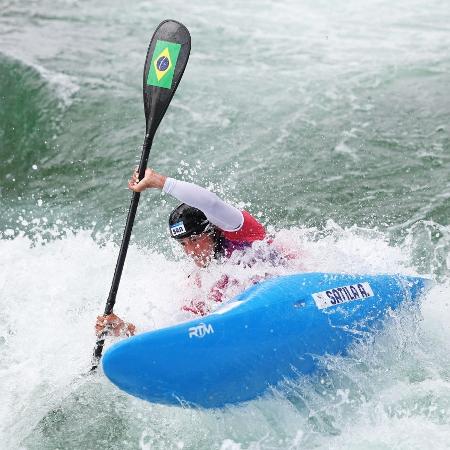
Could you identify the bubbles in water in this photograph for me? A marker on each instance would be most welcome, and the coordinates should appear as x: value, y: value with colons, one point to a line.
x: 400, y: 376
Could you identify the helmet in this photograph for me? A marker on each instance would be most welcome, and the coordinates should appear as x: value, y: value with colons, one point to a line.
x: 185, y: 221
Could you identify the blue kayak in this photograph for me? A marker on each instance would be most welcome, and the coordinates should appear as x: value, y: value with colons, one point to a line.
x: 271, y: 332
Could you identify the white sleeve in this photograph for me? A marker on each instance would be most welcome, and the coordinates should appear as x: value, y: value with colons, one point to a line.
x: 218, y: 212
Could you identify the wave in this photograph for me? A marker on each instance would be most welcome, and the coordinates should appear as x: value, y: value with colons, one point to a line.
x: 33, y: 100
x: 53, y: 292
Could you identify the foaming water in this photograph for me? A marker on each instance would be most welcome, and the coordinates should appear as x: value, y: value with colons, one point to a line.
x: 328, y: 121
x: 51, y: 294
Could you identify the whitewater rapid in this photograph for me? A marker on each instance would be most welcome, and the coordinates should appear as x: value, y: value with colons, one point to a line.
x: 53, y: 292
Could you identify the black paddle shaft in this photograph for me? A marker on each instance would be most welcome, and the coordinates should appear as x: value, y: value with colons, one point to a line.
x: 167, y: 57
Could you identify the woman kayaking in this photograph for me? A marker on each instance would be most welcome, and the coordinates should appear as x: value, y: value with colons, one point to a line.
x: 205, y: 226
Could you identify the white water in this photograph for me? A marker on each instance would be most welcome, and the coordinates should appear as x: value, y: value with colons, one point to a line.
x: 390, y: 393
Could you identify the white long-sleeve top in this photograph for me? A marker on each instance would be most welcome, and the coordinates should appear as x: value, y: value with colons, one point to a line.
x: 218, y: 212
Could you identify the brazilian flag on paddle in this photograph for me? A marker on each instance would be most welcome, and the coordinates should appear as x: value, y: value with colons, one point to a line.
x: 162, y: 66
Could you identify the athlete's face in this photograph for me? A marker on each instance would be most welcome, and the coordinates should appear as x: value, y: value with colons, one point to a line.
x: 200, y: 248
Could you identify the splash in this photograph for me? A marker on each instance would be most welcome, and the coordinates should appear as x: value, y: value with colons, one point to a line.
x: 53, y: 291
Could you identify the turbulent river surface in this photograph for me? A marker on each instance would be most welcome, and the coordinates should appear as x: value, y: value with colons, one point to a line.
x: 327, y: 120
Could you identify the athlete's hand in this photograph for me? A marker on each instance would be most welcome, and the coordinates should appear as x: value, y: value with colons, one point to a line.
x: 114, y: 325
x: 151, y: 179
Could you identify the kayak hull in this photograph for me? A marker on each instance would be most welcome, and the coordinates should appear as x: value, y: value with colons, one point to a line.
x: 271, y: 332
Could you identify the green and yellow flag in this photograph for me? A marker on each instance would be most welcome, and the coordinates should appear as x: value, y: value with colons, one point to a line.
x: 163, y: 64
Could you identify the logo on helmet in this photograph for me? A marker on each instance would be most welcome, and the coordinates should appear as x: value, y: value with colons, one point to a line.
x: 177, y: 229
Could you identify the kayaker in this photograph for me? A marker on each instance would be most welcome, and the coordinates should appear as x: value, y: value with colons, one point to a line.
x: 207, y: 227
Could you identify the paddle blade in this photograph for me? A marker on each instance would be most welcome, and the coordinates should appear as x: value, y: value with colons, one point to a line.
x: 167, y: 56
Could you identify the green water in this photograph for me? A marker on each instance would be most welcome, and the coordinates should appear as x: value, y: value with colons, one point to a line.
x: 330, y: 120
x: 340, y: 125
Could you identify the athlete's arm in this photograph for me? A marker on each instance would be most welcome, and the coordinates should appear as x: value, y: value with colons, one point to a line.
x: 218, y: 212
x: 114, y: 325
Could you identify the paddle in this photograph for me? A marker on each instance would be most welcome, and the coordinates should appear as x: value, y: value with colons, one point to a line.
x: 167, y: 56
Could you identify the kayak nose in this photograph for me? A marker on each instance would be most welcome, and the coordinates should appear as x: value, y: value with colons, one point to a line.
x: 113, y: 365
